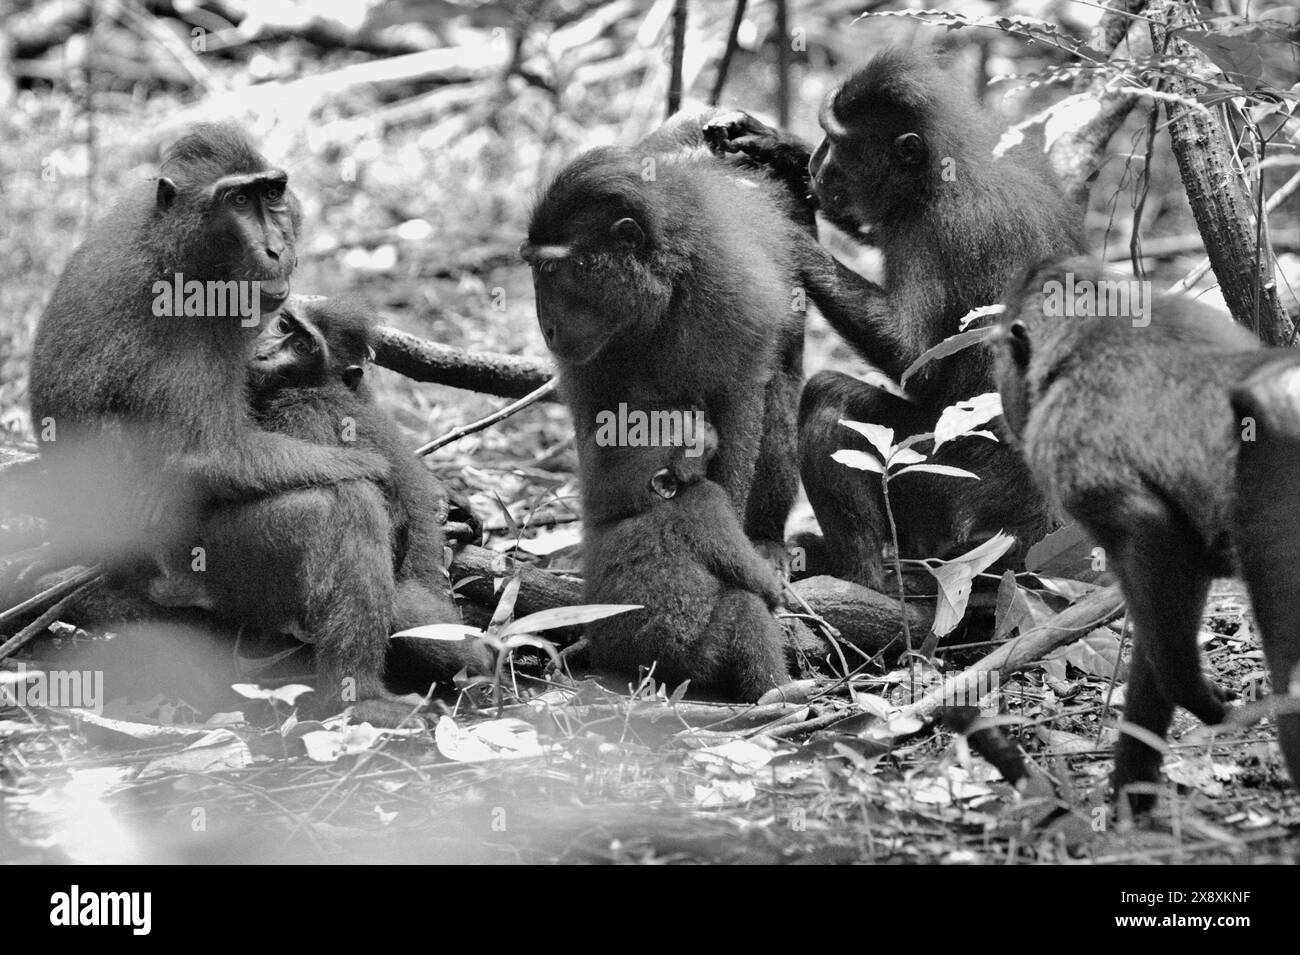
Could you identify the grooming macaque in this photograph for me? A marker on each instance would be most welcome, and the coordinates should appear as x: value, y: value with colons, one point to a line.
x: 907, y: 164
x: 1120, y: 405
x: 109, y: 361
x: 142, y: 412
x: 664, y: 278
x: 307, y: 380
x: 659, y: 533
x: 139, y: 398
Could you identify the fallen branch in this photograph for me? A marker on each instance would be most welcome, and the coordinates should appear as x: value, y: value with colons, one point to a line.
x: 507, y: 376
x: 1071, y: 623
x: 39, y: 625
x: 51, y: 595
x: 714, y: 716
x: 867, y: 620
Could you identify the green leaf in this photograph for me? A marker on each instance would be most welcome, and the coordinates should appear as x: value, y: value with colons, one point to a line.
x: 949, y: 346
x: 879, y: 437
x: 1096, y: 654
x: 859, y: 460
x: 565, y: 617
x: 1236, y: 56
x: 904, y: 456
x: 512, y: 525
x: 1066, y: 552
x: 961, y: 419
x: 937, y: 469
x: 281, y: 694
x: 955, y: 576
x: 441, y: 631
x: 506, y: 605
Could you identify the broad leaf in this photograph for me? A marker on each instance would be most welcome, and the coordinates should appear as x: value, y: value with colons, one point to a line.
x: 949, y: 346
x: 506, y: 605
x: 565, y: 617
x: 955, y: 577
x: 858, y: 459
x: 961, y: 419
x: 1236, y: 56
x: 880, y: 437
x: 937, y: 469
x: 281, y: 694
x: 441, y: 631
x: 904, y: 456
x: 1096, y: 654
x: 975, y: 314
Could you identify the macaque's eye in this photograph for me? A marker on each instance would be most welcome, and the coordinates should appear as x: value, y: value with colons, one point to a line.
x: 239, y: 200
x: 302, y: 346
x: 664, y: 483
x: 274, y: 194
x: 546, y: 267
x: 283, y: 325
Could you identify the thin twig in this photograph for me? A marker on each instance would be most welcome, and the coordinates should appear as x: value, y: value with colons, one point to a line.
x: 37, y: 626
x: 486, y: 422
x: 733, y: 44
x: 50, y: 594
x: 1191, y: 278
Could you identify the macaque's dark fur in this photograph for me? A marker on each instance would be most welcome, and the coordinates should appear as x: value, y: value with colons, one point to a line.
x: 1131, y: 431
x: 321, y: 395
x: 151, y: 417
x: 104, y: 365
x: 1267, y: 522
x: 949, y: 245
x: 694, y: 305
x: 707, y: 593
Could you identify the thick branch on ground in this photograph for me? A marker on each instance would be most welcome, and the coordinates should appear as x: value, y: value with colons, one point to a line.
x: 507, y: 376
x: 1071, y: 623
x: 538, y: 589
x: 1238, y: 250
x: 866, y: 620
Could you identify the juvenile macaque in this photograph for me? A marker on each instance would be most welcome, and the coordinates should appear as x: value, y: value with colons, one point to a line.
x: 660, y: 533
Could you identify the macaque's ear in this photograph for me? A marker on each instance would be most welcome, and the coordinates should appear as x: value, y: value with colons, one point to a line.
x: 1018, y: 338
x: 352, y: 376
x: 909, y: 148
x: 627, y: 232
x: 166, y: 192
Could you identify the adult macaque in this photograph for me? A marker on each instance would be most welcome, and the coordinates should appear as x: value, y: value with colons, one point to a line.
x: 105, y: 359
x: 907, y: 164
x: 664, y: 278
x: 1267, y: 523
x: 143, y: 413
x: 331, y: 584
x: 1121, y: 406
